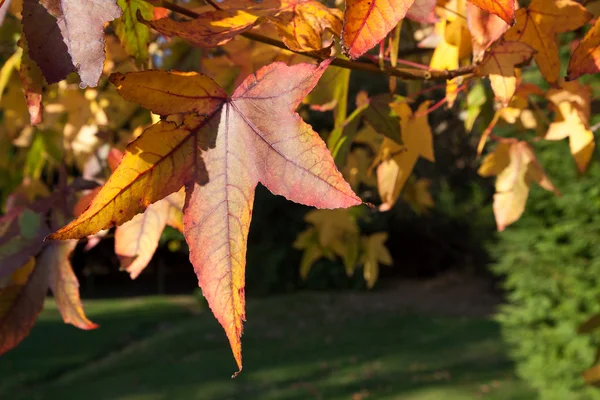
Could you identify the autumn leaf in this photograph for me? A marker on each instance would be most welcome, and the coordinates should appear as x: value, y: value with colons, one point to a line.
x: 538, y: 25
x: 131, y: 33
x: 21, y: 300
x: 423, y: 11
x: 374, y: 253
x: 499, y: 65
x: 21, y: 237
x: 220, y: 157
x: 209, y: 29
x: 366, y: 23
x: 516, y: 168
x: 395, y: 162
x: 505, y: 9
x: 416, y: 194
x: 64, y: 284
x: 485, y: 29
x: 572, y: 120
x: 56, y: 29
x: 137, y: 240
x: 32, y: 82
x: 586, y: 57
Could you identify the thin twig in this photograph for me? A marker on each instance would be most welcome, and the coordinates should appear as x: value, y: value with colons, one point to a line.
x: 404, y: 73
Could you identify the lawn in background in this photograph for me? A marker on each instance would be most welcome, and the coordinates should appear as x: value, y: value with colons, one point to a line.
x: 301, y: 346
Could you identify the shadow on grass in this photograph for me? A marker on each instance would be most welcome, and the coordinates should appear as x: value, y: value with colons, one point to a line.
x: 295, y: 347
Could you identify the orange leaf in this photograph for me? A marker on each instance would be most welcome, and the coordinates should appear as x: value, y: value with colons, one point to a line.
x: 21, y: 300
x: 505, y: 9
x: 367, y: 22
x: 586, y: 57
x: 210, y: 29
x: 220, y: 157
x: 538, y: 25
x: 64, y: 284
x: 485, y: 29
x: 499, y: 64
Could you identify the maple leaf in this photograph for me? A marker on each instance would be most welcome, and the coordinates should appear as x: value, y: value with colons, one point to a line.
x: 499, y: 64
x: 485, y: 29
x: 586, y: 57
x: 56, y: 29
x: 366, y: 23
x: 573, y: 113
x: 137, y: 240
x: 131, y: 33
x: 209, y: 29
x: 504, y: 9
x: 32, y: 82
x: 220, y: 150
x: 516, y: 168
x: 395, y: 162
x: 374, y: 253
x: 538, y: 25
x: 423, y: 11
x: 21, y: 300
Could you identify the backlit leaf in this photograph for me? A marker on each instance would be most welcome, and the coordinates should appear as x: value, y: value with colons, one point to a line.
x: 485, y: 29
x: 572, y: 121
x: 21, y: 300
x: 505, y: 9
x: 538, y: 25
x: 220, y: 157
x: 499, y: 65
x: 134, y: 35
x: 395, y: 162
x: 367, y: 22
x: 56, y: 29
x: 64, y: 283
x: 586, y: 57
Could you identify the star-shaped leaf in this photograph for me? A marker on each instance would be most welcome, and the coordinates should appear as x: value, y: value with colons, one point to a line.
x: 220, y: 148
x: 572, y: 120
x: 367, y: 22
x: 586, y: 57
x: 538, y: 25
x: 499, y: 64
x: 505, y: 9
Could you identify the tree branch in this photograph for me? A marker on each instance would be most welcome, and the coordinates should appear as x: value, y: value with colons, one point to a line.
x: 403, y: 73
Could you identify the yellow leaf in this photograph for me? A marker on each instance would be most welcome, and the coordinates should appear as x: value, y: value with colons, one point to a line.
x: 499, y: 64
x: 538, y: 25
x: 374, y: 253
x: 395, y: 162
x: 572, y: 121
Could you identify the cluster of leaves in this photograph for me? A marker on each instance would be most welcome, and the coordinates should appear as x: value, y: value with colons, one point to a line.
x: 195, y: 161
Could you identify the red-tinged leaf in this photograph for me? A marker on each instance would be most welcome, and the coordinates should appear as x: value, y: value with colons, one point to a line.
x: 423, y: 11
x: 210, y: 29
x: 538, y: 25
x: 367, y: 22
x: 46, y: 45
x: 21, y: 300
x: 499, y: 65
x: 485, y: 29
x: 22, y: 234
x: 32, y: 82
x: 137, y: 240
x: 505, y: 9
x: 586, y: 57
x: 64, y: 283
x: 160, y: 12
x: 220, y: 157
x: 114, y: 158
x: 78, y: 25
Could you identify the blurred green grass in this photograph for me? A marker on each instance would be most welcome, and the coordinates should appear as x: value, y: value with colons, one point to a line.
x: 301, y: 346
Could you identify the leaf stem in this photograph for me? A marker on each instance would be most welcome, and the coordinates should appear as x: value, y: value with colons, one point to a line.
x: 403, y: 73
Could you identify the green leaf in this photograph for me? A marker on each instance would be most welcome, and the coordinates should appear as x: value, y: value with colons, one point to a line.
x: 134, y: 35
